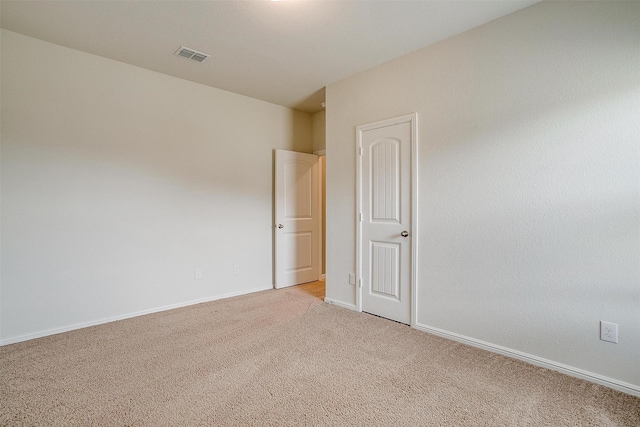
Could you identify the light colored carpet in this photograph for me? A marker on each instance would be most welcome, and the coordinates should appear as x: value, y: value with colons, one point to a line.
x: 284, y: 358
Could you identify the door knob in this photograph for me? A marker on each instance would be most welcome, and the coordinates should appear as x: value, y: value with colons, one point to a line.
x: 405, y: 233
x: 280, y: 226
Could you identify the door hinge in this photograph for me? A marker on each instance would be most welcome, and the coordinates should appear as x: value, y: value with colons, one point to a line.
x: 359, y: 283
x: 359, y: 151
x: 360, y: 216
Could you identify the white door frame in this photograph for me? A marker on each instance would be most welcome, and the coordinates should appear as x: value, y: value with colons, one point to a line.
x: 321, y: 209
x: 412, y: 119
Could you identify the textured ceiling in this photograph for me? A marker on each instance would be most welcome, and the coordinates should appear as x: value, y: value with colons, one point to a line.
x: 282, y: 52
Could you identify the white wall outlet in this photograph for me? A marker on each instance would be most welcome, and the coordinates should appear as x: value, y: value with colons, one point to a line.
x: 236, y: 269
x: 198, y: 274
x: 609, y: 332
x: 352, y: 279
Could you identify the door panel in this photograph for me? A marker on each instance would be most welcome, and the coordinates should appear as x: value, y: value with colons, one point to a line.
x: 385, y: 195
x: 297, y: 197
x: 302, y: 243
x: 385, y: 259
x: 297, y: 218
x: 384, y: 175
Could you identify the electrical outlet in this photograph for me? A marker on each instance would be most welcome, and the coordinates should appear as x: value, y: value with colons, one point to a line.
x: 198, y: 274
x: 609, y: 332
x: 236, y: 269
x: 352, y: 279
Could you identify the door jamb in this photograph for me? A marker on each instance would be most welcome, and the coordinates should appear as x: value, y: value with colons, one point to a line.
x: 322, y: 208
x: 413, y: 120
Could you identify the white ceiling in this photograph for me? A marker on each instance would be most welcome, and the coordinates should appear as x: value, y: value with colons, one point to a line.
x: 282, y: 52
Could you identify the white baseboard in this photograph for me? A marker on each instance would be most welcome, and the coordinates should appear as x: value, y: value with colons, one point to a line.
x: 340, y: 304
x: 127, y: 316
x: 535, y: 360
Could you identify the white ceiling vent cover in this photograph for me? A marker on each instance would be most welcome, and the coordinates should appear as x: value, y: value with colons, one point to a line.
x: 192, y: 54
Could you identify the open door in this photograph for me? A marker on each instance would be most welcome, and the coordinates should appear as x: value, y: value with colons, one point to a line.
x: 297, y: 210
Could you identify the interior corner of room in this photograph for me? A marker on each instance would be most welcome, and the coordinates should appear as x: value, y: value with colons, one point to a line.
x: 118, y: 183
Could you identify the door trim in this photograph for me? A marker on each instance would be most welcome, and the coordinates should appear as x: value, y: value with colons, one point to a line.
x: 322, y: 159
x: 412, y: 119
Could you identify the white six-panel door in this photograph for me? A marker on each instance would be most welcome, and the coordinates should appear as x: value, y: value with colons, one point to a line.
x: 385, y: 224
x: 297, y: 212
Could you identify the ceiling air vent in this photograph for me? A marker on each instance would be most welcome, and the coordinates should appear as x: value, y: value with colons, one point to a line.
x: 192, y: 54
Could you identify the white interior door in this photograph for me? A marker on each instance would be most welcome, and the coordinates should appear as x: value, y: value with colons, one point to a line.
x: 386, y: 234
x: 297, y: 225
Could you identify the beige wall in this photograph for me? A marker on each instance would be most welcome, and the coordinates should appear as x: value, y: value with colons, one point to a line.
x: 528, y: 161
x: 318, y: 131
x: 118, y: 182
x: 318, y: 136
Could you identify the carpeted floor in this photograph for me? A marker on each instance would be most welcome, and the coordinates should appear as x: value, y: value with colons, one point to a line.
x: 284, y: 358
